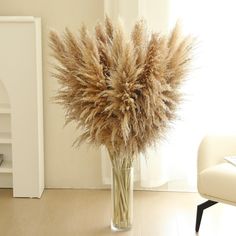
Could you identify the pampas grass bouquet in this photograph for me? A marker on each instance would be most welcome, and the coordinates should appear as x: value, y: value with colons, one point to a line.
x: 122, y: 92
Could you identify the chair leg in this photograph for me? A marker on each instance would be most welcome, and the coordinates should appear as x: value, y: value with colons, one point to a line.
x: 200, y: 209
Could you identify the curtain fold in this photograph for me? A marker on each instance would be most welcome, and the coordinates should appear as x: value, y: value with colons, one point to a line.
x: 153, y: 168
x: 149, y: 170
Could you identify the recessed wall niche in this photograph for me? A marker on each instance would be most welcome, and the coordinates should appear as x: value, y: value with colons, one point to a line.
x: 21, y: 106
x: 5, y: 139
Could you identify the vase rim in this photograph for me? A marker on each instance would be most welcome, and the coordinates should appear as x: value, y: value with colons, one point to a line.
x: 123, y: 168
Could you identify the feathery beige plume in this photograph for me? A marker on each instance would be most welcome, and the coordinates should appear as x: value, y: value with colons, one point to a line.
x: 122, y: 93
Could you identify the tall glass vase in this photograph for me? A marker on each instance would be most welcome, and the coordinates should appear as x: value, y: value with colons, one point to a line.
x: 122, y: 199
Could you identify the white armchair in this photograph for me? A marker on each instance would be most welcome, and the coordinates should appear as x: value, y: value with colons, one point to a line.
x: 216, y: 177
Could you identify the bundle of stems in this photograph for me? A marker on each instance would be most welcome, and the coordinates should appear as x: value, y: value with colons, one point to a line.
x: 122, y: 192
x: 122, y: 197
x: 121, y: 92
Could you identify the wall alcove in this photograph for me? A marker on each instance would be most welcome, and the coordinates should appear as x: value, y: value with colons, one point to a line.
x: 5, y: 138
x: 21, y: 102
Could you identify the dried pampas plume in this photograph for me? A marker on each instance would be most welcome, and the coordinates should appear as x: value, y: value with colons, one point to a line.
x: 121, y: 93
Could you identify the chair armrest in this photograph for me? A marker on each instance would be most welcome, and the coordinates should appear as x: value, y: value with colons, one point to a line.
x: 213, y: 149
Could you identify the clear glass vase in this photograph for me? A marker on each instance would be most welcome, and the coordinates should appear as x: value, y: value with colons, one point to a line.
x: 122, y: 199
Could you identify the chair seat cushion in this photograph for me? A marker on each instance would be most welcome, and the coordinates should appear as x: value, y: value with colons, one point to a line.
x: 218, y: 181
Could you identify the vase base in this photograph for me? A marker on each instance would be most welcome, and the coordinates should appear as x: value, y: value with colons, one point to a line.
x: 118, y: 228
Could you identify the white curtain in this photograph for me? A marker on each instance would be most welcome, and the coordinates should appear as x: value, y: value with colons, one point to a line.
x: 210, y: 97
x: 149, y: 170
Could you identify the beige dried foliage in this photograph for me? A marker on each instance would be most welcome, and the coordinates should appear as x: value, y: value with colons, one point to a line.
x: 121, y: 93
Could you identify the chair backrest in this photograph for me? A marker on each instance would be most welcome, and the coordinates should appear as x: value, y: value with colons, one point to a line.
x: 214, y: 148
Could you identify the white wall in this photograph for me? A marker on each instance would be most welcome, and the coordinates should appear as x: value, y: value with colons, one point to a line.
x: 156, y: 12
x: 64, y: 165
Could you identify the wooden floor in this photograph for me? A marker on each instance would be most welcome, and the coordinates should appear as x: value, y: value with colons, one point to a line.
x: 87, y: 212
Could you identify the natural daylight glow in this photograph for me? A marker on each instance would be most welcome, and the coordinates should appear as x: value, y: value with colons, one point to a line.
x: 210, y: 95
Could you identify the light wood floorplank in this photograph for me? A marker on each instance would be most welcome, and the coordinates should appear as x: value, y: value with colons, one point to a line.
x: 88, y: 213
